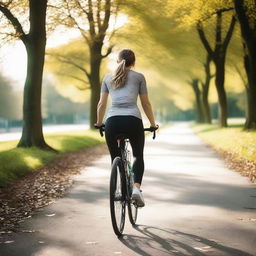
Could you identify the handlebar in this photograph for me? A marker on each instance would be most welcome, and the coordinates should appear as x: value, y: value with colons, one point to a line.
x: 101, y: 129
x: 150, y: 129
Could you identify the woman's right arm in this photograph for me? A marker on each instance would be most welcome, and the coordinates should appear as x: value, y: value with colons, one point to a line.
x: 146, y: 105
x: 101, y: 108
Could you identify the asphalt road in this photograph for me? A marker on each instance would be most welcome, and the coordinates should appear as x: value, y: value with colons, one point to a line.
x: 194, y: 206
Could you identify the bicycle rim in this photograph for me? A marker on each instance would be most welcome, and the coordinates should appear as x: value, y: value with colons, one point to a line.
x: 133, y: 212
x: 117, y: 196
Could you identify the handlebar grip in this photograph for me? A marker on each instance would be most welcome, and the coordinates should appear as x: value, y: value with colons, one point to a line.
x: 152, y: 129
x: 101, y: 129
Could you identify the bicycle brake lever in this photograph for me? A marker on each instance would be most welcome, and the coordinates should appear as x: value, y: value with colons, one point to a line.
x: 154, y: 135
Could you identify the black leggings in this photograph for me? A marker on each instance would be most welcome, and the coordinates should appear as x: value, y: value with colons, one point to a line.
x: 133, y: 128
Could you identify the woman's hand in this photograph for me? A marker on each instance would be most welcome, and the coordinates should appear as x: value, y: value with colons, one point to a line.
x: 98, y: 125
x: 155, y: 126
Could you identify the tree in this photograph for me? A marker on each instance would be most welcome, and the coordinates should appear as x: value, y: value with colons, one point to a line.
x: 218, y: 55
x: 198, y: 100
x: 205, y: 90
x: 34, y: 41
x: 246, y: 14
x: 92, y: 18
x: 200, y: 13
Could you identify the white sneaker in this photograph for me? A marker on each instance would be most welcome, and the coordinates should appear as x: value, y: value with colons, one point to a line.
x: 137, y: 196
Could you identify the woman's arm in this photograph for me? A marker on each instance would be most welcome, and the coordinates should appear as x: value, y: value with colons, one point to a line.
x: 146, y: 105
x: 101, y: 108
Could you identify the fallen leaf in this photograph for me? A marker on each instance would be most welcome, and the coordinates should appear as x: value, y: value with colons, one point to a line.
x: 8, y: 241
x: 91, y: 242
x: 50, y: 215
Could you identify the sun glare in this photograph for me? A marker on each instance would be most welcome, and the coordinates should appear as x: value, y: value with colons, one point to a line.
x: 13, y: 58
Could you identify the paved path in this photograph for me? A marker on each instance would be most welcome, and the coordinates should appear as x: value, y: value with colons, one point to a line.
x: 15, y: 133
x: 194, y: 206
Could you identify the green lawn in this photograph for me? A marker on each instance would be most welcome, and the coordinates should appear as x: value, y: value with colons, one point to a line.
x: 232, y: 139
x: 16, y: 162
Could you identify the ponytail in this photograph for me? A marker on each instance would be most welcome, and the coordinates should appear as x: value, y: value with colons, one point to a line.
x: 126, y: 58
x: 120, y: 75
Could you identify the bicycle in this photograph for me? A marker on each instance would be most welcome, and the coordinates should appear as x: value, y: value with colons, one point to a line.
x: 121, y: 184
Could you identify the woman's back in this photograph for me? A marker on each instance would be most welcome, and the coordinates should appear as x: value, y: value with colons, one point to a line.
x: 124, y: 99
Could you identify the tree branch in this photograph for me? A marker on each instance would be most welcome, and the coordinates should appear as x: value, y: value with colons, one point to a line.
x: 204, y: 40
x: 229, y: 33
x: 82, y: 31
x: 91, y: 19
x: 15, y: 22
x: 217, y: 11
x: 74, y: 77
x: 107, y: 16
x: 81, y: 7
x: 109, y: 50
x: 115, y: 13
x: 98, y: 14
x: 218, y: 41
x: 66, y: 60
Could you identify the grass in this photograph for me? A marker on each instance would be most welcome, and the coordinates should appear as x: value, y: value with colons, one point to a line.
x: 232, y: 139
x: 16, y: 162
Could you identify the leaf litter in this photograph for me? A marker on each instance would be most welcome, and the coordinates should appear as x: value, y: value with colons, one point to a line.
x: 41, y: 187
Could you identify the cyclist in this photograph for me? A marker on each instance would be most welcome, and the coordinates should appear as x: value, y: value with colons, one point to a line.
x: 124, y: 116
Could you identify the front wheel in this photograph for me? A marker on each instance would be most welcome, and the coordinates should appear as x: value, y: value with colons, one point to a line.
x: 117, y: 196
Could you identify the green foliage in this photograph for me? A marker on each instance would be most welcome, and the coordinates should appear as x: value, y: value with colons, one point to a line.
x: 28, y: 159
x: 66, y: 63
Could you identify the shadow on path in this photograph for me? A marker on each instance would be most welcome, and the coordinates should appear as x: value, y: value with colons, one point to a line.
x: 159, y: 241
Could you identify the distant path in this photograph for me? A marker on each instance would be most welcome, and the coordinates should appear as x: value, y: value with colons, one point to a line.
x: 194, y: 206
x: 15, y: 133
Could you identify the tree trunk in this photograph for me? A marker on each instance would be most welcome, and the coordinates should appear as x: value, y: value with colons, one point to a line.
x: 206, y: 107
x: 248, y: 32
x: 251, y: 74
x: 198, y: 102
x: 32, y: 134
x: 219, y: 83
x: 250, y: 122
x: 95, y: 62
x: 205, y: 91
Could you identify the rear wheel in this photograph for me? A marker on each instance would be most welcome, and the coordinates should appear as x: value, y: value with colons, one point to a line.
x: 117, y: 196
x: 133, y: 212
x: 132, y: 206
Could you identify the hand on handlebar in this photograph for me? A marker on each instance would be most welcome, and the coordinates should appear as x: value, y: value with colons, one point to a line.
x: 154, y: 128
x: 101, y: 128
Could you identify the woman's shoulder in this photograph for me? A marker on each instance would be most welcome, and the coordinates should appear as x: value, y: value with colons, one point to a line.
x: 137, y: 74
x: 107, y: 76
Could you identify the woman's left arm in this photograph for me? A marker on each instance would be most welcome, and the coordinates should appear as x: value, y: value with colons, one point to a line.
x: 101, y: 108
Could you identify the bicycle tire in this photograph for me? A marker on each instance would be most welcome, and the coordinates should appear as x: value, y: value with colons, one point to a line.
x: 131, y: 205
x: 117, y: 198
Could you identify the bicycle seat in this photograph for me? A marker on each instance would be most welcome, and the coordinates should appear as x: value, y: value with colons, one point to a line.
x: 121, y: 136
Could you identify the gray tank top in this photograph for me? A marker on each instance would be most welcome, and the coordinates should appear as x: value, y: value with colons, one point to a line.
x: 124, y: 100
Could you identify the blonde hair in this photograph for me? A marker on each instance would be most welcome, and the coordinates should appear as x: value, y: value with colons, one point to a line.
x: 126, y: 58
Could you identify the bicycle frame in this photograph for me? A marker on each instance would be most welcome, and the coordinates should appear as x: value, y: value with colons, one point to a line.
x: 125, y: 156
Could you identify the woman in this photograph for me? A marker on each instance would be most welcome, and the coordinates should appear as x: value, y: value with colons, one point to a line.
x: 124, y: 116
